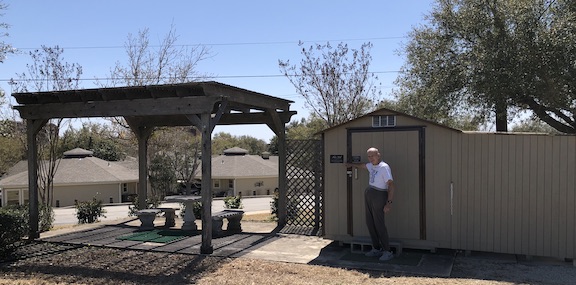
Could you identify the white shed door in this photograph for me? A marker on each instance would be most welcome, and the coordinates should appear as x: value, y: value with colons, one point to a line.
x: 400, y: 149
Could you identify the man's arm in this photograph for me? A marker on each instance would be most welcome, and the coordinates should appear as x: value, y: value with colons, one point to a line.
x: 391, y: 188
x: 359, y: 165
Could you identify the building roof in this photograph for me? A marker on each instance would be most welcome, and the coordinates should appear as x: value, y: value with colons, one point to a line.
x: 397, y: 113
x: 237, y: 163
x: 79, y: 169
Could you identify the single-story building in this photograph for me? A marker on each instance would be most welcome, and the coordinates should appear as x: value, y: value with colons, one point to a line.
x: 475, y: 191
x: 235, y: 172
x: 79, y: 177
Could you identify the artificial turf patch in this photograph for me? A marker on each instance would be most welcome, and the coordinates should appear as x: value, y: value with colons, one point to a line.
x: 158, y: 236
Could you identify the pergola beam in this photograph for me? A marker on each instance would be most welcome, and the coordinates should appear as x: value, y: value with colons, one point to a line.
x: 120, y: 108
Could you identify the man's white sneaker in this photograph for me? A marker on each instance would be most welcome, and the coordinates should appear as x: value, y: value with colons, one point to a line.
x: 386, y: 255
x: 374, y: 252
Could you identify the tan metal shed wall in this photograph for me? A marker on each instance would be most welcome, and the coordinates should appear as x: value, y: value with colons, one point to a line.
x: 516, y: 194
x: 440, y: 166
x: 335, y: 196
x: 507, y: 193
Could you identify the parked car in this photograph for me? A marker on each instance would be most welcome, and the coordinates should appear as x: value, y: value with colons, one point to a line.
x: 196, y: 189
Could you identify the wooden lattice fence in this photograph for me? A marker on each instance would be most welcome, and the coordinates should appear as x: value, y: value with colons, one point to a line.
x: 305, y: 187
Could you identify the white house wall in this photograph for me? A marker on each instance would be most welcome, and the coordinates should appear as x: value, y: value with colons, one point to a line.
x: 67, y: 195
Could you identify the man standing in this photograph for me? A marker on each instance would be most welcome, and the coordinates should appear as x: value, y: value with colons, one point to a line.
x: 378, y: 198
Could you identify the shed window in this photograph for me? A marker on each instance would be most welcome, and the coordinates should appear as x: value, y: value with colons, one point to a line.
x: 383, y: 121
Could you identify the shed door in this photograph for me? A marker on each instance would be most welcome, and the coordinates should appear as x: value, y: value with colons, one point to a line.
x: 400, y: 149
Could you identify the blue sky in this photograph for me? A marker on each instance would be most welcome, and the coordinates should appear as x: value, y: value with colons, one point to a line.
x: 246, y: 38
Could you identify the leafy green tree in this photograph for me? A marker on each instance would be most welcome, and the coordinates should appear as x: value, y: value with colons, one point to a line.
x: 177, y: 149
x: 305, y: 129
x: 162, y: 177
x: 533, y: 125
x: 334, y: 81
x: 11, y: 151
x: 223, y: 141
x: 493, y: 58
x: 95, y: 137
x: 12, y: 146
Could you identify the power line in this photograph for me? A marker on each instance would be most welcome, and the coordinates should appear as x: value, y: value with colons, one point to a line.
x: 230, y: 44
x: 215, y: 77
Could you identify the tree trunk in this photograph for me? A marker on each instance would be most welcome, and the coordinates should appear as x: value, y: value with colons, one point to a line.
x: 501, y: 116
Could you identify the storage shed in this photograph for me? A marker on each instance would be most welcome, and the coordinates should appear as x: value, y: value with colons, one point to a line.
x: 495, y: 192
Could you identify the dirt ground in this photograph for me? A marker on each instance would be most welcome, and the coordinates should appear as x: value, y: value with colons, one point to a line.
x: 49, y: 263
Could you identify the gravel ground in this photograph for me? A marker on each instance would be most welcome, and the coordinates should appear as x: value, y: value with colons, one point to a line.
x: 49, y: 263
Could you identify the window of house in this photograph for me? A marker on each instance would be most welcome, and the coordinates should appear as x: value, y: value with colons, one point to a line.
x: 383, y: 121
x: 259, y: 184
x: 124, y: 187
x: 216, y: 183
x: 230, y: 183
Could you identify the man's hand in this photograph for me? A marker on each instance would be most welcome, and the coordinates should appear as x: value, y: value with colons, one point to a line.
x: 387, y: 208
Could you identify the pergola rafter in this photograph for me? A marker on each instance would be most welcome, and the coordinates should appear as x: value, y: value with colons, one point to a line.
x: 201, y: 104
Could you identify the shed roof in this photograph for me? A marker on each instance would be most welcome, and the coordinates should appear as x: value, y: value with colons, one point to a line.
x: 395, y: 113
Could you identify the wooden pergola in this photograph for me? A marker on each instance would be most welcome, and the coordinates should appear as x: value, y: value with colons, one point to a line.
x: 200, y: 104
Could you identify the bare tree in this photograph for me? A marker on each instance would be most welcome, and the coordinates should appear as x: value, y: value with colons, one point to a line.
x: 4, y: 47
x: 48, y: 72
x: 335, y: 82
x: 166, y: 63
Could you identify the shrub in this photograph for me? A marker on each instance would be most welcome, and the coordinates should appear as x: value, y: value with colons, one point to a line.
x: 274, y: 206
x: 151, y: 202
x: 89, y: 211
x: 233, y: 202
x: 196, y: 209
x: 46, y: 218
x: 13, y: 226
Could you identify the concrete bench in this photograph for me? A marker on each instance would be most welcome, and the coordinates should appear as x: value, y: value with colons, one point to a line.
x: 234, y: 218
x: 170, y: 215
x: 147, y: 217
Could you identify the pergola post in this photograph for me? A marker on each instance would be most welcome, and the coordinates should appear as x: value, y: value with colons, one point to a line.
x: 143, y: 133
x: 279, y: 128
x: 32, y: 129
x: 206, y: 247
